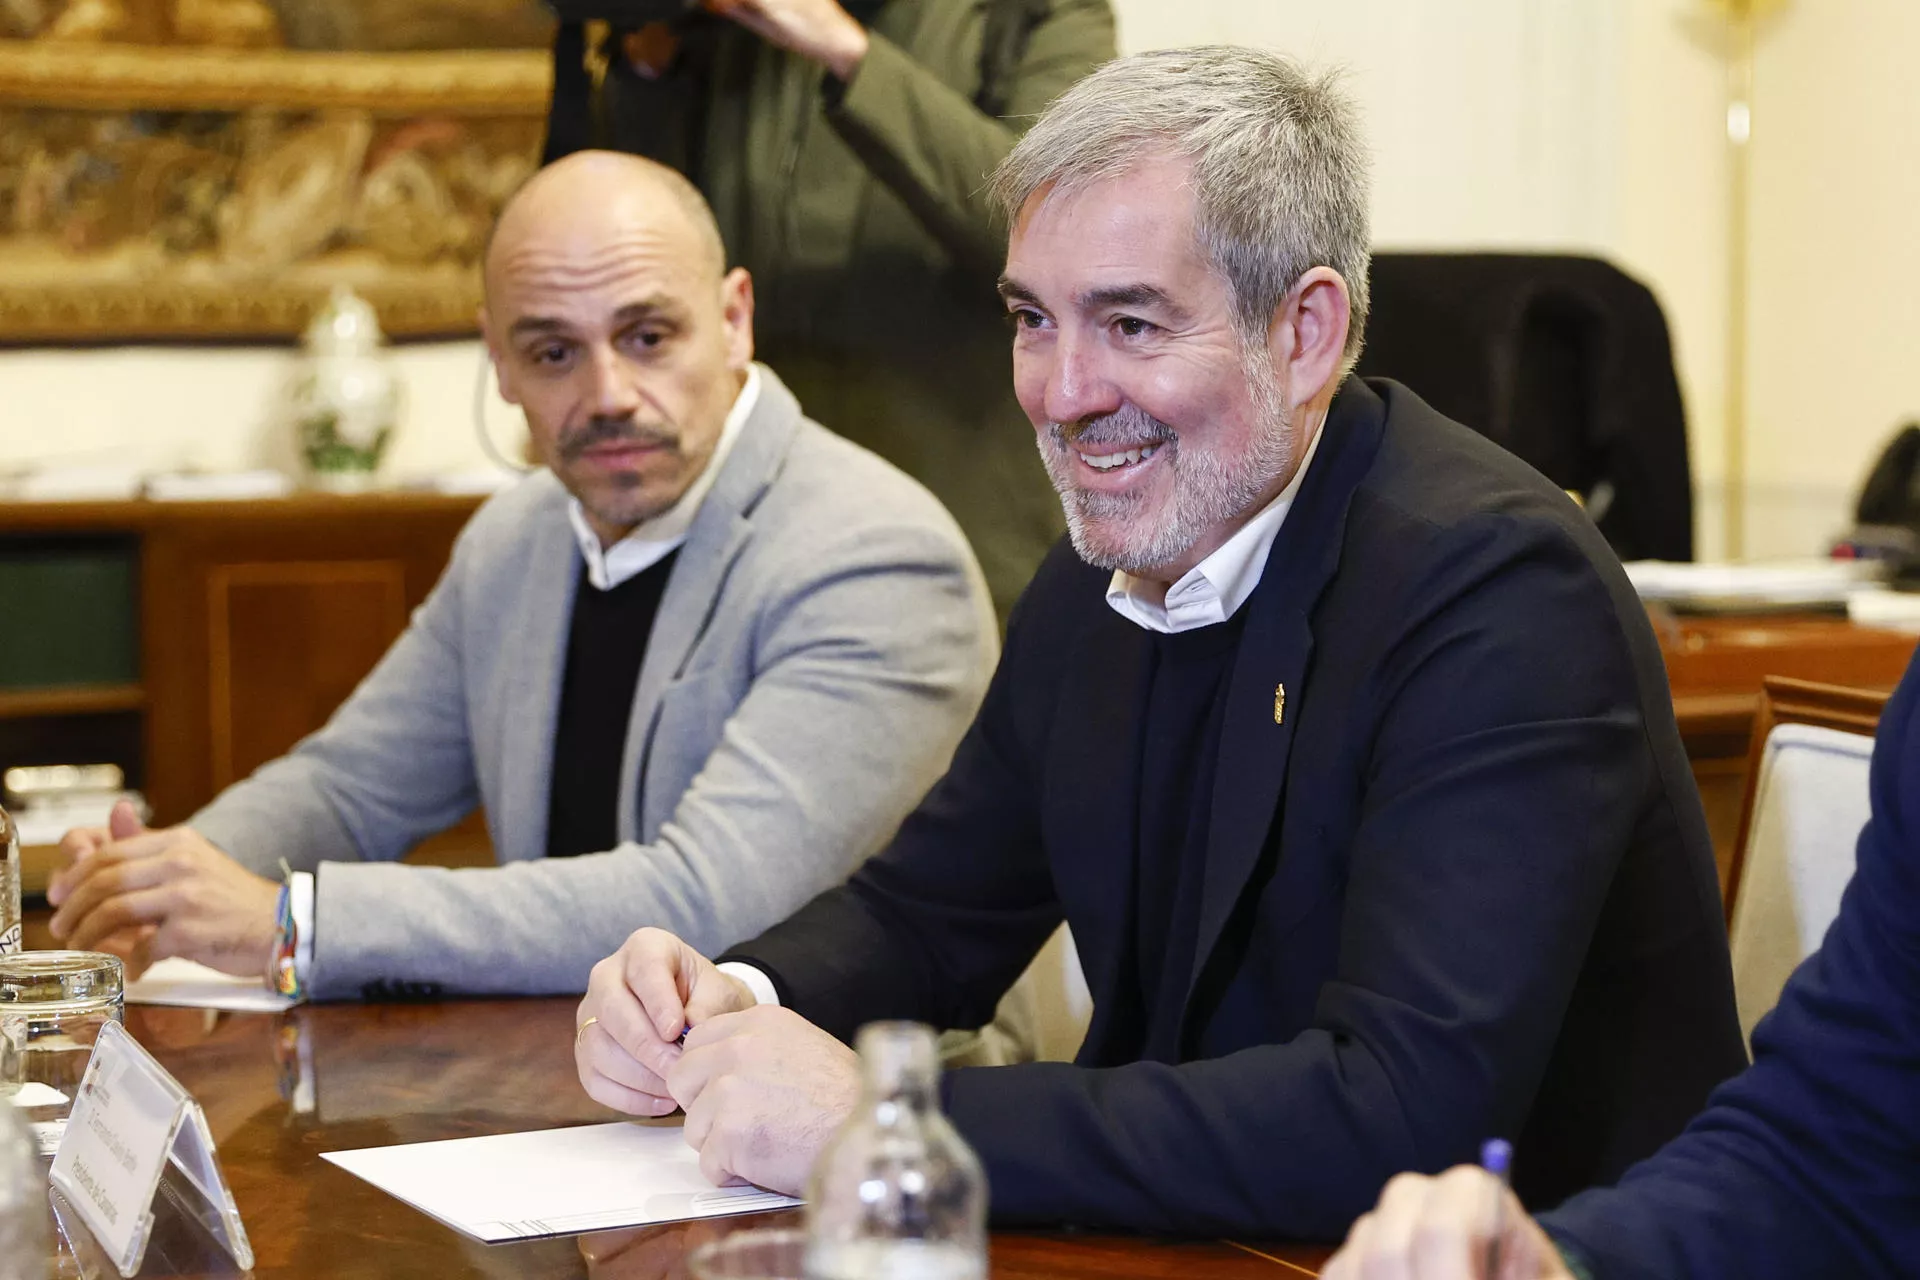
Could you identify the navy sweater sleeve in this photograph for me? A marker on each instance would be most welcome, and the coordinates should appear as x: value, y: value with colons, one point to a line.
x: 1809, y: 1162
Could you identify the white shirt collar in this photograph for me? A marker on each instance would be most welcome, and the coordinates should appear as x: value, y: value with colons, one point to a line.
x: 1213, y: 590
x: 652, y: 541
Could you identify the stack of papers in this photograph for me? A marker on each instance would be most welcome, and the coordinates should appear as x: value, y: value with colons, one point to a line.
x: 45, y: 822
x: 1749, y: 588
x: 183, y: 982
x: 72, y: 484
x: 217, y: 486
x: 552, y: 1182
x: 1885, y: 607
x: 480, y: 480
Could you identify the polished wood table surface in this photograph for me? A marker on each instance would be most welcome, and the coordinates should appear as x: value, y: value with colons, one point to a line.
x: 281, y: 1089
x: 1715, y: 666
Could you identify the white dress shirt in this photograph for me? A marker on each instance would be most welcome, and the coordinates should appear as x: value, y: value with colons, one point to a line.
x: 650, y: 542
x: 1213, y: 590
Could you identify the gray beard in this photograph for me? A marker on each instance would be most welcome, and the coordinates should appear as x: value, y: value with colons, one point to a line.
x: 1208, y: 490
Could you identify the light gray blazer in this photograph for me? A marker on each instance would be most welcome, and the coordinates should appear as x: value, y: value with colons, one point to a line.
x: 823, y: 642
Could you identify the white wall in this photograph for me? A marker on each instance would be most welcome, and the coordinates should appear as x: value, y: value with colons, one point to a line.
x: 1588, y: 125
x: 1836, y: 252
x: 217, y: 409
x: 1493, y: 122
x: 1670, y: 227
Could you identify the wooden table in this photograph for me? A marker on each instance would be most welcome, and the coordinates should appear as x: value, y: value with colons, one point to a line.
x: 373, y: 1075
x: 383, y: 1074
x: 1715, y: 665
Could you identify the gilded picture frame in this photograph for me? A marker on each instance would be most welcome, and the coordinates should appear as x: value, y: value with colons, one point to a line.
x: 162, y: 191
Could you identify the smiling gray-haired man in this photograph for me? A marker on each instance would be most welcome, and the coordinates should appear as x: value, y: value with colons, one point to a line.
x: 1337, y: 735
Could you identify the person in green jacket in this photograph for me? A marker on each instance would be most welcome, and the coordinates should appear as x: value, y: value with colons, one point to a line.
x: 845, y: 146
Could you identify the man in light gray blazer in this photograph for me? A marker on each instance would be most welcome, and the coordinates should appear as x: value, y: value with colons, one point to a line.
x: 718, y: 649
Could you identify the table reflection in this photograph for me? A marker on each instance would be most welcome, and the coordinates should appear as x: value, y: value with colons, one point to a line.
x: 661, y: 1253
x: 281, y: 1089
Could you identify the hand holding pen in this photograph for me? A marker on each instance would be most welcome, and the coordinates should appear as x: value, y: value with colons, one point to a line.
x: 1465, y: 1224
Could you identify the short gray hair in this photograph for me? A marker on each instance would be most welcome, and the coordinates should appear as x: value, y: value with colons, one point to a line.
x: 1279, y: 168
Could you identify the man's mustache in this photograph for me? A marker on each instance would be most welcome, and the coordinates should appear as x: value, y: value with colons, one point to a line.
x: 1130, y: 426
x: 601, y: 431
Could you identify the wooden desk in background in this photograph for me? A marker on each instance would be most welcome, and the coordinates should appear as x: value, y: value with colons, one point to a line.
x: 1715, y: 667
x: 375, y: 1075
x: 254, y: 621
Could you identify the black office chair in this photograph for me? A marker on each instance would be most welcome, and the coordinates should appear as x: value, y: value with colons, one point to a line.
x: 1564, y: 361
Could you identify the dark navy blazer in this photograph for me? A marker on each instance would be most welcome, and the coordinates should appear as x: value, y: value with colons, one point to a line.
x: 1809, y: 1163
x: 1458, y: 885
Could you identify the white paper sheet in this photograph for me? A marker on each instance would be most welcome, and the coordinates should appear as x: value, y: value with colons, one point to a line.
x: 185, y: 982
x: 1885, y: 607
x: 35, y: 1094
x: 1764, y: 584
x: 519, y: 1186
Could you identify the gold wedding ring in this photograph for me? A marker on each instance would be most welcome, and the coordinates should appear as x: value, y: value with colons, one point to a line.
x: 582, y: 1031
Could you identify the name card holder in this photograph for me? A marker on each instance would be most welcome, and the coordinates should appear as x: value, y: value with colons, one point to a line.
x: 130, y: 1120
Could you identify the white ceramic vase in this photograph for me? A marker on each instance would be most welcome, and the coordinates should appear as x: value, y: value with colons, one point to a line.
x: 345, y: 402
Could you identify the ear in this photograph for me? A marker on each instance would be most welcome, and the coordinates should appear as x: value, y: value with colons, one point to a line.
x: 736, y: 314
x: 497, y: 354
x: 1308, y: 336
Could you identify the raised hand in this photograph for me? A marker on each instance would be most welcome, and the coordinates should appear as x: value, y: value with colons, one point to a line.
x: 817, y: 29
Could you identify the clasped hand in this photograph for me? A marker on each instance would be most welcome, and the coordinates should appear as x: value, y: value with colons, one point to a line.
x: 762, y: 1087
x: 146, y: 895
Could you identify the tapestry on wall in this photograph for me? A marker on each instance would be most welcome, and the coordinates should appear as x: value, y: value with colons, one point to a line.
x: 210, y: 168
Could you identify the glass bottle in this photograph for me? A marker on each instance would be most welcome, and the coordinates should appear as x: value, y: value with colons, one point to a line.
x: 10, y: 940
x: 897, y: 1194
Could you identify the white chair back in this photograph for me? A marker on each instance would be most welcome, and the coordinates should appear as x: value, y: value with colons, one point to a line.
x: 1066, y: 1006
x: 1042, y: 1018
x: 1808, y: 808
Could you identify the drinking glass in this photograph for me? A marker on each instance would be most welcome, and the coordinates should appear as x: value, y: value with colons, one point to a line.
x: 52, y: 1006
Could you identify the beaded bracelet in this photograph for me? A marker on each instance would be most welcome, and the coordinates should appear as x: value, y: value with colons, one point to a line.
x: 283, y: 975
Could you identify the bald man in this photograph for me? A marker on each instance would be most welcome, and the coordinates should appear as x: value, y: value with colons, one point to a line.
x: 696, y: 669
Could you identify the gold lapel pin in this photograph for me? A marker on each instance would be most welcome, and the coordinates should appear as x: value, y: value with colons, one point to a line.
x: 1280, y: 704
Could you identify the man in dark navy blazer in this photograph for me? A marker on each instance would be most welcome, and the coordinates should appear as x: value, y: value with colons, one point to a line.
x: 1337, y: 735
x: 1808, y: 1164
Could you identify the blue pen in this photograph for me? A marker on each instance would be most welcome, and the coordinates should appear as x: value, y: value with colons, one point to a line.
x: 1496, y: 1157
